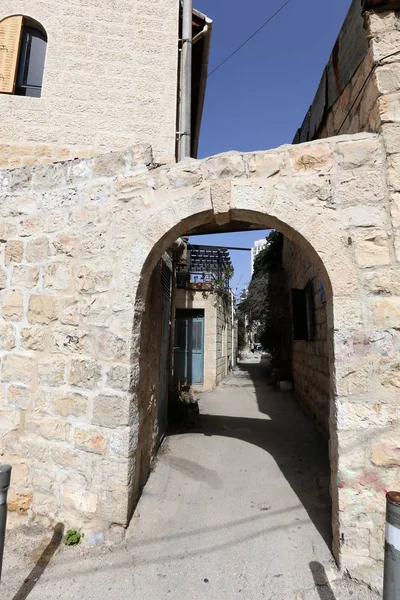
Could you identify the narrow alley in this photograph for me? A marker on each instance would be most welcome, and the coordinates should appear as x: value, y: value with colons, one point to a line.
x: 238, y: 507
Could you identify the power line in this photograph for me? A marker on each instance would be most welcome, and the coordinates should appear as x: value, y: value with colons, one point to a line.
x: 372, y: 71
x: 250, y: 38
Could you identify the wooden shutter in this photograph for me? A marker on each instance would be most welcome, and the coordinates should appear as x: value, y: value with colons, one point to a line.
x: 10, y: 34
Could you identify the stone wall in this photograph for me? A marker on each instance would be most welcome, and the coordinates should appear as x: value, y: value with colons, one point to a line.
x: 365, y: 91
x: 143, y: 444
x: 224, y: 339
x: 110, y: 81
x: 310, y: 359
x: 79, y: 243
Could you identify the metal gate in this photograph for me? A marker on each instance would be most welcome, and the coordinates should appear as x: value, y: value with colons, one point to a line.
x: 162, y: 408
x: 189, y: 347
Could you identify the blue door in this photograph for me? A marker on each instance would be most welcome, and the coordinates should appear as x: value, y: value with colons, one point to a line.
x: 189, y: 347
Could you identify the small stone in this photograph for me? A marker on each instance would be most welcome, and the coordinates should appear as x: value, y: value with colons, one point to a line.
x: 310, y: 157
x: 110, y: 411
x: 42, y: 309
x: 371, y: 247
x: 19, y: 502
x: 34, y: 338
x: 386, y: 312
x: 386, y: 454
x: 112, y: 163
x: 29, y: 226
x: 9, y: 420
x: 70, y: 311
x: 25, y: 276
x: 19, y: 396
x: 7, y: 336
x: 18, y: 368
x: 89, y: 440
x: 12, y: 302
x: 84, y: 373
x: 49, y: 428
x: 57, y: 276
x: 79, y: 500
x: 66, y: 243
x: 71, y: 404
x: 70, y: 340
x: 37, y: 250
x: 51, y: 372
x: 110, y: 346
x: 3, y: 279
x: 118, y: 377
x: 359, y: 153
x: 14, y: 251
x: 97, y: 311
x: 225, y: 167
x: 94, y: 278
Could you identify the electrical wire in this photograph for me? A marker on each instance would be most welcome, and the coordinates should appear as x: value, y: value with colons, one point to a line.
x: 276, y: 13
x: 377, y: 64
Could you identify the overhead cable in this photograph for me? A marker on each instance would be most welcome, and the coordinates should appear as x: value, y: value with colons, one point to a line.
x: 250, y: 37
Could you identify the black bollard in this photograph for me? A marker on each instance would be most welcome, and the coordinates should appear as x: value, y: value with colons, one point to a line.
x: 391, y: 576
x: 5, y: 478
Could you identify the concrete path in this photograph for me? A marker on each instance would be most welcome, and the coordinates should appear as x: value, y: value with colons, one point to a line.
x: 238, y: 508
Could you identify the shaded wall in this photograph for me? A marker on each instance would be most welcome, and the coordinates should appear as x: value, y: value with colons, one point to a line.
x: 310, y: 358
x: 224, y: 339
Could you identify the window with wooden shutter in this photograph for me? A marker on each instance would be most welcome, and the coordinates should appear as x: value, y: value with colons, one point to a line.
x: 10, y: 36
x: 23, y: 44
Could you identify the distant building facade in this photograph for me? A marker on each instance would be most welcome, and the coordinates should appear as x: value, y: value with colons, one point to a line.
x: 255, y: 251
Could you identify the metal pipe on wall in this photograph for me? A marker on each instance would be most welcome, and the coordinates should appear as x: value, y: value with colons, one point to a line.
x: 185, y: 117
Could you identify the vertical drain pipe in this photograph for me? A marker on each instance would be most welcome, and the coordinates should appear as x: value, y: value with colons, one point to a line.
x: 185, y: 117
x: 391, y: 577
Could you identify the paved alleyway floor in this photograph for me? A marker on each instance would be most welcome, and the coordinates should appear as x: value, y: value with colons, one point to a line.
x: 237, y: 508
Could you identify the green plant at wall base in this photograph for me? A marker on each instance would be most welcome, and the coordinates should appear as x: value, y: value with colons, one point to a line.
x: 73, y: 537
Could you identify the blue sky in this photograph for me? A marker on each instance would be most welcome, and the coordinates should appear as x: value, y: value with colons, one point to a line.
x: 259, y: 98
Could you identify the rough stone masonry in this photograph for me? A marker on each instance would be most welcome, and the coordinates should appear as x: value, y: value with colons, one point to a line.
x: 79, y: 243
x: 80, y: 240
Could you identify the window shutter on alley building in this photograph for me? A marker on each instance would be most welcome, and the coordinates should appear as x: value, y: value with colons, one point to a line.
x: 10, y: 35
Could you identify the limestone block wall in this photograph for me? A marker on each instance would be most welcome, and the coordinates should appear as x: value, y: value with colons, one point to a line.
x: 224, y: 339
x: 110, y: 81
x: 310, y: 359
x: 79, y: 243
x: 366, y: 101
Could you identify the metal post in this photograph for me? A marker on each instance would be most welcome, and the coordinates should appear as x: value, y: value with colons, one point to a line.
x: 185, y: 117
x: 5, y: 478
x: 391, y: 577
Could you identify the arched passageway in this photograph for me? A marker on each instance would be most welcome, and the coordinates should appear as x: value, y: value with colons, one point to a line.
x: 83, y: 371
x: 290, y: 455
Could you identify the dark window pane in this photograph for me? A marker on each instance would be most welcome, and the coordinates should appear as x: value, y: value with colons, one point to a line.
x: 299, y: 308
x: 31, y: 62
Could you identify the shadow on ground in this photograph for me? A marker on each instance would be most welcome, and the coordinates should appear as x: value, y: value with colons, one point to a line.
x: 43, y: 561
x: 289, y: 435
x: 322, y: 584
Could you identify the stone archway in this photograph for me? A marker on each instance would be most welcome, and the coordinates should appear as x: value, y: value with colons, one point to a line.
x: 82, y: 239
